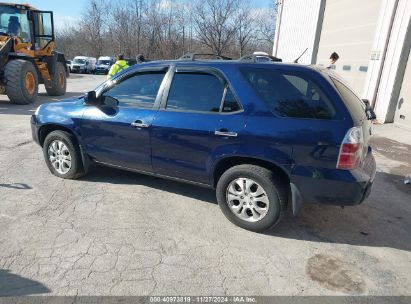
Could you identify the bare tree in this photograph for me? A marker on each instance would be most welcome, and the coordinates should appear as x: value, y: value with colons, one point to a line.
x: 245, y: 28
x: 92, y: 24
x: 214, y: 23
x: 166, y: 29
x: 138, y: 7
x: 266, y: 26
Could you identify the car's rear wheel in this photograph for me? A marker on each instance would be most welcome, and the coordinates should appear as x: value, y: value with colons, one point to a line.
x: 62, y: 155
x: 252, y: 197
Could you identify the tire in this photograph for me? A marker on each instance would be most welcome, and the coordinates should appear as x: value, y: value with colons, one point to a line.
x: 22, y: 83
x: 250, y: 201
x: 52, y: 141
x: 58, y: 84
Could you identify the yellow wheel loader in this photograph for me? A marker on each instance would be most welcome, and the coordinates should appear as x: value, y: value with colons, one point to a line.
x: 27, y: 54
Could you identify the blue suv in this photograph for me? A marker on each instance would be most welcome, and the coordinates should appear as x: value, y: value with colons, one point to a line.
x: 265, y: 136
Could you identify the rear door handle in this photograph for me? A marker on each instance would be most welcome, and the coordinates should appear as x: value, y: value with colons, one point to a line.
x: 139, y: 124
x: 225, y: 132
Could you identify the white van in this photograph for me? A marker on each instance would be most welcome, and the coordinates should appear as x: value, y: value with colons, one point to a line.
x: 92, y: 63
x: 83, y: 64
x: 103, y: 64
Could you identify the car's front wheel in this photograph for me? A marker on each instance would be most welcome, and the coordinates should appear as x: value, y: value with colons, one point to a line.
x: 62, y: 155
x: 252, y: 197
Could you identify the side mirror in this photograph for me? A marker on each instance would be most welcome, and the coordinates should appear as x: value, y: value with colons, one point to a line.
x: 110, y: 102
x: 369, y: 111
x: 91, y: 98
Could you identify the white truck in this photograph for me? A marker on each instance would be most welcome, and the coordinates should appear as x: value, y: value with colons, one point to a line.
x: 83, y: 64
x: 103, y: 64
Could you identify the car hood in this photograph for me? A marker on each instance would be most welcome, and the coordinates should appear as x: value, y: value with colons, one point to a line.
x: 67, y: 102
x: 56, y: 112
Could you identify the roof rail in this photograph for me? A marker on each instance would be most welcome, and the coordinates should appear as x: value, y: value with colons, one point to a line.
x: 192, y: 56
x: 255, y: 58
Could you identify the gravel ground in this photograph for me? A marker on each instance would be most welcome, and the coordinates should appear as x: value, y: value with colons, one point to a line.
x: 119, y: 233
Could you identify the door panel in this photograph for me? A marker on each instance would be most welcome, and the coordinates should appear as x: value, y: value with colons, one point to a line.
x: 183, y: 143
x: 198, y: 103
x: 117, y: 131
x: 110, y: 137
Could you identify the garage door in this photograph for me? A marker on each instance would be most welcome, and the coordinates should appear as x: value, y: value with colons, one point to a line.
x: 349, y: 28
x: 403, y: 112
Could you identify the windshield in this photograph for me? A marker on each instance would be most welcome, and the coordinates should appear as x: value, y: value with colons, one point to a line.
x: 104, y: 62
x: 14, y: 22
x: 81, y: 61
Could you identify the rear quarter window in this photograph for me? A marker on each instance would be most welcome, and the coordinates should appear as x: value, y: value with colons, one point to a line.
x: 290, y: 94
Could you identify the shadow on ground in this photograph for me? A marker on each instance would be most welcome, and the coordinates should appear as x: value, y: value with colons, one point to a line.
x: 14, y: 285
x: 18, y: 186
x: 102, y: 174
x: 6, y: 107
x: 383, y: 220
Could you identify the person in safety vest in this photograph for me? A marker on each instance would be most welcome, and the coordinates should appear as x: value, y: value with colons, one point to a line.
x: 119, y: 66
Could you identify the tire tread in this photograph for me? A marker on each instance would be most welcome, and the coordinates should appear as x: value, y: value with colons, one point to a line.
x: 12, y: 74
x: 55, y: 89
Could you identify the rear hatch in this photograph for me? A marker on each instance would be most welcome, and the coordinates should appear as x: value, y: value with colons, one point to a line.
x: 357, y: 109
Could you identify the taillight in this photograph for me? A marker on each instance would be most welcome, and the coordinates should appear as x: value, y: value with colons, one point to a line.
x: 351, y: 151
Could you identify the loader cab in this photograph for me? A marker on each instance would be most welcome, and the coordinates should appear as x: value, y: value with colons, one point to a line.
x: 30, y: 25
x: 14, y: 22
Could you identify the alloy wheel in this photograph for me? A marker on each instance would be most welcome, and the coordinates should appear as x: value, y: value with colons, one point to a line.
x: 247, y: 199
x: 59, y: 156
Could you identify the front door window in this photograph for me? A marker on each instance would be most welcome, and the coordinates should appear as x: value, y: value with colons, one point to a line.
x: 139, y: 91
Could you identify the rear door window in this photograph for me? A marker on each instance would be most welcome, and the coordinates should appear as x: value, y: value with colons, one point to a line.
x: 290, y: 94
x: 200, y: 92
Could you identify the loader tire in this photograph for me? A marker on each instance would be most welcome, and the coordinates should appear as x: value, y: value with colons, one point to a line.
x: 58, y: 83
x: 22, y: 83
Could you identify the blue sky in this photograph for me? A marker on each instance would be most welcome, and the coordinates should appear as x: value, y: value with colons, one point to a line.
x: 73, y: 8
x: 67, y: 12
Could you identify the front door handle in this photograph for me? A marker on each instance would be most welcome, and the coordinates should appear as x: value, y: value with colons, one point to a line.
x: 225, y: 132
x: 139, y: 124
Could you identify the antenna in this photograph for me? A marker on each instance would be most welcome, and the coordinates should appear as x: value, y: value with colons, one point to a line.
x: 296, y: 61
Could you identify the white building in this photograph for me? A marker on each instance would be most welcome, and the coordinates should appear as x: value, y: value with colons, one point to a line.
x: 372, y: 38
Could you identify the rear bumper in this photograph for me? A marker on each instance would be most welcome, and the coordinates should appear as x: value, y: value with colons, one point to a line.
x: 333, y: 186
